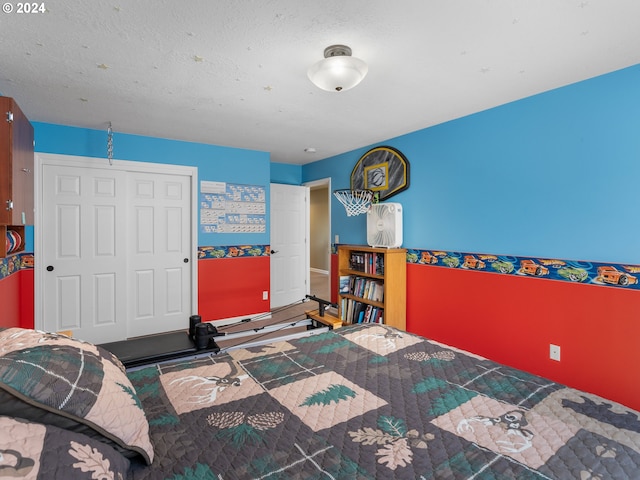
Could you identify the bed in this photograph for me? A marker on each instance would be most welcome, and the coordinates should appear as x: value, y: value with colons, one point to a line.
x: 360, y: 402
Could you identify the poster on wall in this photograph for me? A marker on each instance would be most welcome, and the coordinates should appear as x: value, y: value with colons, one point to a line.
x: 232, y: 208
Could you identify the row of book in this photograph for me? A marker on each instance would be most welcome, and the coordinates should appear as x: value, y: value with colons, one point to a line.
x: 367, y: 262
x: 353, y: 311
x: 367, y: 288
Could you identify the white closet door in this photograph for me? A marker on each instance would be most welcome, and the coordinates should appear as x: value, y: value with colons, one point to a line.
x: 159, y: 250
x: 117, y: 258
x: 84, y: 252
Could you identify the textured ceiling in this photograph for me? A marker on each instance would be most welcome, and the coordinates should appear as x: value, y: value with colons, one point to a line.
x: 233, y: 72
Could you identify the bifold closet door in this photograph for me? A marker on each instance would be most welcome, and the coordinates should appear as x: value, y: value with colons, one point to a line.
x: 116, y: 252
x: 159, y: 251
x: 83, y: 252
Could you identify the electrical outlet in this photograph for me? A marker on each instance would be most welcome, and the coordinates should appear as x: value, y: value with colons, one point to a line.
x: 554, y: 352
x: 265, y: 295
x: 337, y: 239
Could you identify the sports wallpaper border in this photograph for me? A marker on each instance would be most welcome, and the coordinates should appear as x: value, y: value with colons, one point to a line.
x: 19, y: 261
x: 14, y: 263
x: 596, y: 273
x: 575, y: 271
x: 233, y: 251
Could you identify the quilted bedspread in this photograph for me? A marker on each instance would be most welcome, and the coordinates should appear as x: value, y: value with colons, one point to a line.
x: 372, y: 402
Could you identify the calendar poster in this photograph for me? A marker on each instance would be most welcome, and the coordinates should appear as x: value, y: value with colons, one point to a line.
x: 232, y: 208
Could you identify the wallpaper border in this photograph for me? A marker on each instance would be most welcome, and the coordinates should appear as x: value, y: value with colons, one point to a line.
x: 575, y: 271
x: 14, y: 263
x: 20, y: 261
x: 234, y: 251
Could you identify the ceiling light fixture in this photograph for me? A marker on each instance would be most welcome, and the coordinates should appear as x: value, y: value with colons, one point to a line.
x: 339, y: 71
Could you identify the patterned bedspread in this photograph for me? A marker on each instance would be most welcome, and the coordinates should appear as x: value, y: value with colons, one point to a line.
x: 372, y: 402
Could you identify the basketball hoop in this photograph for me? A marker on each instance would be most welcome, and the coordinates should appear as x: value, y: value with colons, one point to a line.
x: 355, y: 202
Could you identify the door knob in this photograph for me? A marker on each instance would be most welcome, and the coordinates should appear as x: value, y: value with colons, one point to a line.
x: 273, y: 251
x: 50, y: 268
x: 186, y: 260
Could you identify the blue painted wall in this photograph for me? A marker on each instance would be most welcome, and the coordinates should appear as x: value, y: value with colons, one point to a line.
x: 214, y: 163
x: 553, y: 175
x: 285, y: 173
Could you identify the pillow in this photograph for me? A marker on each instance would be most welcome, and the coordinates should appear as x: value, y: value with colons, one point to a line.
x: 60, y: 381
x: 33, y: 450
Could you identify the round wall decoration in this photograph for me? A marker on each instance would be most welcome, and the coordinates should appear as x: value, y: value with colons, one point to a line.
x: 384, y: 170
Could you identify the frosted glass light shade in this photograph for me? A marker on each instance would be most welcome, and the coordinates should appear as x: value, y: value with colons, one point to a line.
x: 338, y: 73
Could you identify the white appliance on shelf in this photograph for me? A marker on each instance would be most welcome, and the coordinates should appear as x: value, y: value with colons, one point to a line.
x: 384, y: 225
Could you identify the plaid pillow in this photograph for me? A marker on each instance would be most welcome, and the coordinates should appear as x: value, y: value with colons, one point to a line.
x: 71, y: 384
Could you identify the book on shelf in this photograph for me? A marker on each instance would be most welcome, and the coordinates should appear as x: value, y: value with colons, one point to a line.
x: 367, y: 262
x: 377, y: 291
x: 363, y: 287
x: 353, y: 311
x: 345, y: 283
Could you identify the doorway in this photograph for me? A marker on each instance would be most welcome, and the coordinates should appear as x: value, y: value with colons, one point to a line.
x: 320, y: 237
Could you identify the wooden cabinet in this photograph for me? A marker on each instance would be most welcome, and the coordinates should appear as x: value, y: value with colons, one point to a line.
x: 16, y: 165
x: 372, y: 285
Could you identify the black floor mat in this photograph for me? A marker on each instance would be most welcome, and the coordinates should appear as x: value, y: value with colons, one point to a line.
x: 151, y: 349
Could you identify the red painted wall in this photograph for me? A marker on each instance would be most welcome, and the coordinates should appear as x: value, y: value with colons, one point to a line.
x: 27, y: 298
x: 513, y: 319
x: 334, y: 278
x: 10, y: 301
x: 232, y: 287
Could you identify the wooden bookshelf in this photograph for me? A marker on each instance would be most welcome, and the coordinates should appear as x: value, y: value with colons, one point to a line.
x: 367, y: 268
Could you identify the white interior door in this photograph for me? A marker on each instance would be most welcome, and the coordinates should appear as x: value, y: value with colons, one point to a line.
x: 289, y: 263
x: 159, y: 253
x: 83, y: 252
x: 115, y: 248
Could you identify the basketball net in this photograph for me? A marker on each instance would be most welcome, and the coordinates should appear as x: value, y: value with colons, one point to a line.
x: 355, y: 202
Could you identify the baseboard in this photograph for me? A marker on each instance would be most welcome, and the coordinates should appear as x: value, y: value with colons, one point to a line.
x: 317, y: 270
